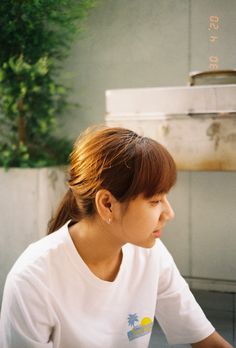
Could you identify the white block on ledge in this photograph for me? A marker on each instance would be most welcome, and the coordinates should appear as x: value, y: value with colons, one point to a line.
x: 166, y: 101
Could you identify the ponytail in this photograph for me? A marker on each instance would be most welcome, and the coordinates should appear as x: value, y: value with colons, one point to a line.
x: 67, y: 210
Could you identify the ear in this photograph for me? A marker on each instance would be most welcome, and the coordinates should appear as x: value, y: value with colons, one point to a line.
x: 105, y: 203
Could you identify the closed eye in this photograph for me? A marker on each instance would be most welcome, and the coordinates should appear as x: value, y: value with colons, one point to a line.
x: 156, y: 202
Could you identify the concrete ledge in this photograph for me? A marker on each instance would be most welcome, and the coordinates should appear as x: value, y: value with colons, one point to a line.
x: 28, y: 198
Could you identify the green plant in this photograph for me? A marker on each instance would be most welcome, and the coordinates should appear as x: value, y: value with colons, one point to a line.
x: 35, y: 38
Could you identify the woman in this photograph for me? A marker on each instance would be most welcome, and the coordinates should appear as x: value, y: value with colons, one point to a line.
x: 102, y: 274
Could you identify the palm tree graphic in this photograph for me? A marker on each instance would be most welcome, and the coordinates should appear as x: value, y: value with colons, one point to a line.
x: 132, y: 319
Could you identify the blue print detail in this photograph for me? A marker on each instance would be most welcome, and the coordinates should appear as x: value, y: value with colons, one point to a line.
x: 139, y: 329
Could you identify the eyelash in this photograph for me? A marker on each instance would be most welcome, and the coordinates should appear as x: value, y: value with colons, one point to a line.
x: 156, y: 202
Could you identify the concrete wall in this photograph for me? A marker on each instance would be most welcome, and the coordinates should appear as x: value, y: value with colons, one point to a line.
x: 202, y: 237
x: 152, y: 43
x: 126, y: 44
x: 28, y: 198
x: 148, y: 43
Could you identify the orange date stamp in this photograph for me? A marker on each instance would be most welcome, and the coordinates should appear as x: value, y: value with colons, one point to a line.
x: 213, y: 27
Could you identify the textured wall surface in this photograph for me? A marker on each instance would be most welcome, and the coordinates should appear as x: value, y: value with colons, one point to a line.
x: 154, y: 43
x: 202, y: 237
x: 127, y: 44
x: 28, y: 198
x: 130, y: 44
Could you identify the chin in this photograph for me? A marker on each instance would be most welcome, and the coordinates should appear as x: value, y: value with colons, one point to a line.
x: 147, y: 244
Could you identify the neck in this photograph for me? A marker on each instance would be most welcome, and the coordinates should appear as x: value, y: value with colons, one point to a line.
x: 97, y: 247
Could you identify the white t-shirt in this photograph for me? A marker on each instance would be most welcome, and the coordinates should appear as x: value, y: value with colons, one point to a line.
x: 52, y: 299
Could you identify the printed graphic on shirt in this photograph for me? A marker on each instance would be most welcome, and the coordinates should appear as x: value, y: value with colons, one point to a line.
x: 139, y: 329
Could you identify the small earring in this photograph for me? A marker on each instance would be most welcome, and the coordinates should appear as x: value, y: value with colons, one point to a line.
x: 109, y: 221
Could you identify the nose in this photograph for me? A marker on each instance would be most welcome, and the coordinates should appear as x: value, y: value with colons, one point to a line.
x: 168, y: 210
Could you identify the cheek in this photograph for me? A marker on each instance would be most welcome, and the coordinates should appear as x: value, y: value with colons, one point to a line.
x: 132, y: 222
x: 142, y: 220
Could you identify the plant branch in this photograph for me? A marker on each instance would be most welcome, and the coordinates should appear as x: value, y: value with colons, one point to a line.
x: 21, y: 122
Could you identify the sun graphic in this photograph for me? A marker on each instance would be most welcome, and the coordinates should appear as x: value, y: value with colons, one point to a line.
x: 145, y: 321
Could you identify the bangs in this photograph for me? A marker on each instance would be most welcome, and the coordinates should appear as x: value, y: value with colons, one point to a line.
x: 154, y: 170
x: 134, y: 165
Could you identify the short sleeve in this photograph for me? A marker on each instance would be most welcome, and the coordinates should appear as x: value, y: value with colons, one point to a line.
x: 177, y: 311
x: 25, y: 319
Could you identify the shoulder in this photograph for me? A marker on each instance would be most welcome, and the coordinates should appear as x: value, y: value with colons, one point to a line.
x: 41, y: 255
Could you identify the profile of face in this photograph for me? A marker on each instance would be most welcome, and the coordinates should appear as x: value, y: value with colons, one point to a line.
x: 144, y: 220
x: 139, y: 221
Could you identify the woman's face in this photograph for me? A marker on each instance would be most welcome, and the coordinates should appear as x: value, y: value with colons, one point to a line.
x: 143, y: 220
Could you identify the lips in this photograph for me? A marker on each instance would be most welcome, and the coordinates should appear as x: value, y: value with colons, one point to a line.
x: 157, y: 233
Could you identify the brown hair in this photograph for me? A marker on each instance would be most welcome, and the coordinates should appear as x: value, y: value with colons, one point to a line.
x: 116, y: 159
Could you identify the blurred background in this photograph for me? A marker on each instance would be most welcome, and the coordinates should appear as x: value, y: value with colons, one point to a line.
x: 144, y: 45
x: 140, y: 44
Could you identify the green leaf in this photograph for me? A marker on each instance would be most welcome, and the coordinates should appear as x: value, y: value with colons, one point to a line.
x: 36, y: 36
